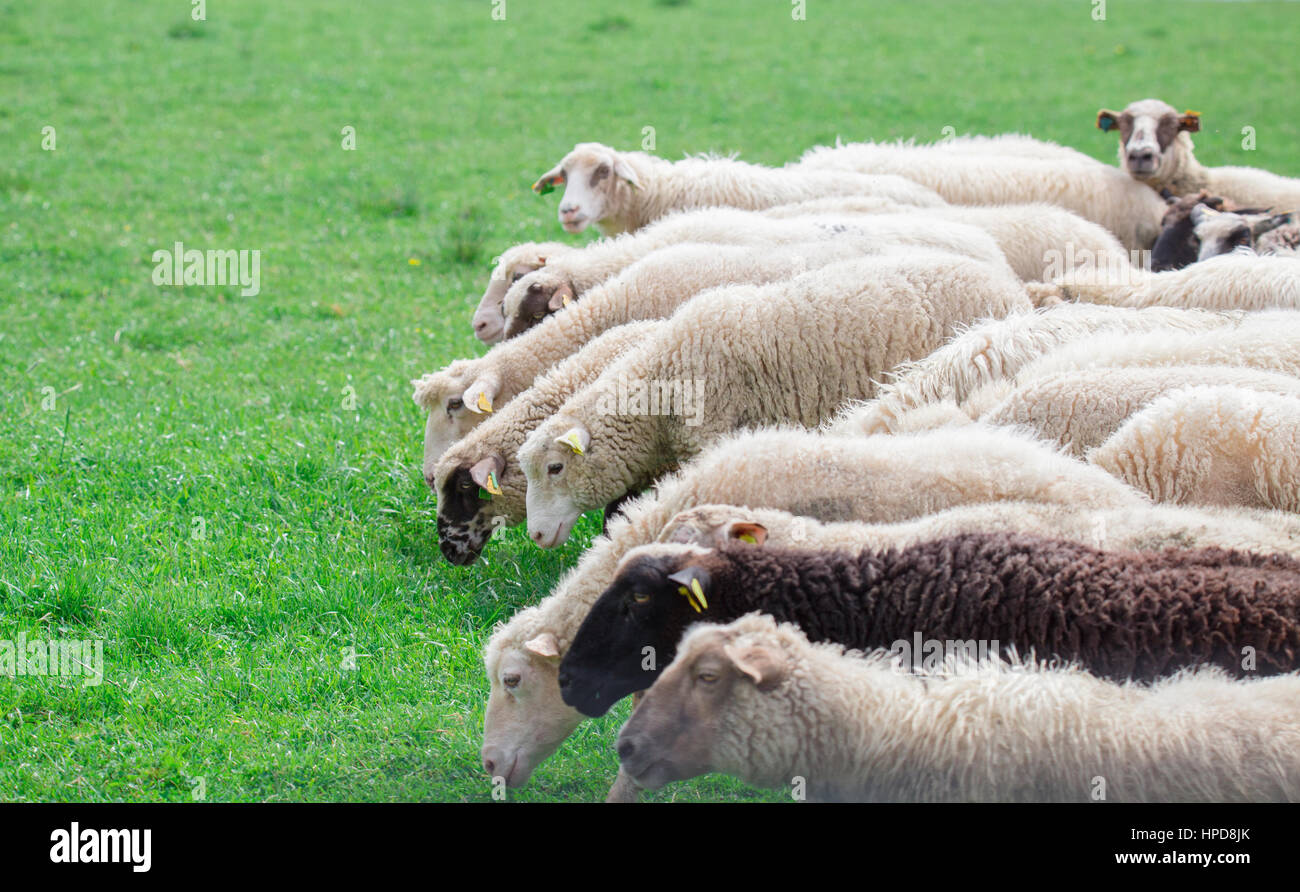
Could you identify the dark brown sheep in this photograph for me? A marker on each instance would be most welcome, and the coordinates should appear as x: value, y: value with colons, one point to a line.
x: 1120, y: 614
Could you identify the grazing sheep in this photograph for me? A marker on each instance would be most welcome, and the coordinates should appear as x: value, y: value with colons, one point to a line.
x: 1220, y: 232
x: 1078, y: 410
x: 624, y: 191
x: 1155, y: 148
x: 1211, y: 446
x: 460, y: 395
x: 1040, y: 241
x: 748, y: 355
x: 996, y: 349
x: 478, y: 481
x: 1239, y: 281
x: 1121, y: 615
x: 757, y: 700
x: 1094, y: 191
x: 1145, y: 528
x: 641, y: 262
x: 875, y: 479
x: 513, y: 264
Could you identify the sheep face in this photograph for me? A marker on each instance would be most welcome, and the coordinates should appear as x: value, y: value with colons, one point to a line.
x: 550, y: 465
x: 713, y: 526
x: 525, y: 721
x: 1224, y: 232
x: 632, y: 629
x: 681, y: 728
x: 595, y: 178
x: 533, y: 298
x: 1177, y: 246
x: 489, y: 318
x: 456, y: 401
x: 468, y: 510
x: 1148, y: 130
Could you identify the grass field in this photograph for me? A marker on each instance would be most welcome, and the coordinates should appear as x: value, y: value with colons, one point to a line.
x: 226, y: 489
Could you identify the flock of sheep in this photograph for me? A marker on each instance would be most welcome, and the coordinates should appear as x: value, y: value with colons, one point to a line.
x: 892, y: 401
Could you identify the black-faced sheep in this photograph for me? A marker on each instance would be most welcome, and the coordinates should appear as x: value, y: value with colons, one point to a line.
x: 756, y: 700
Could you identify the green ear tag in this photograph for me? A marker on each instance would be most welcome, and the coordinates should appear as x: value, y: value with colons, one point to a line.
x: 484, y: 494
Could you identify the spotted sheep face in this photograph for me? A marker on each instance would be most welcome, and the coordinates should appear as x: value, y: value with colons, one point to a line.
x: 468, y: 513
x: 593, y: 176
x: 1148, y: 130
x: 534, y: 297
x: 489, y: 318
x: 1224, y: 232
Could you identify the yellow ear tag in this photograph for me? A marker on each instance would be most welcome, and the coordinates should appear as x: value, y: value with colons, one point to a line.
x: 571, y: 440
x: 746, y: 537
x: 492, y: 486
x: 564, y: 299
x: 681, y: 590
x: 484, y: 403
x: 699, y: 592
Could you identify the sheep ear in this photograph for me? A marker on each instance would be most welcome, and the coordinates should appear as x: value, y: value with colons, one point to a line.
x: 1201, y: 213
x: 548, y: 181
x: 560, y: 298
x: 544, y: 645
x: 624, y: 172
x: 744, y: 531
x: 765, y: 665
x: 487, y: 472
x: 1190, y: 121
x: 478, y: 396
x: 1107, y: 120
x: 693, y: 585
x: 1270, y: 223
x: 576, y: 438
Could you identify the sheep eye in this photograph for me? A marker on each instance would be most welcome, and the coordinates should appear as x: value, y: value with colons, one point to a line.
x: 539, y: 315
x: 641, y: 598
x: 510, y: 680
x: 455, y: 403
x: 467, y: 484
x: 554, y: 468
x: 707, y: 677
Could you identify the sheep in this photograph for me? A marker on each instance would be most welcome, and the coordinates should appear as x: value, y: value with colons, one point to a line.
x: 460, y: 395
x: 1040, y: 241
x: 513, y: 264
x: 996, y: 349
x: 757, y: 700
x: 624, y: 191
x: 1177, y: 245
x: 1078, y: 410
x: 1219, y: 232
x: 477, y: 480
x: 1155, y: 149
x: 1211, y: 446
x: 1148, y: 528
x: 535, y: 296
x: 1120, y: 615
x: 1094, y: 191
x: 874, y: 479
x: 744, y: 355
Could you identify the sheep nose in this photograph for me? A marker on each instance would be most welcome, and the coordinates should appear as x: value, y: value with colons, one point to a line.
x: 430, y: 481
x: 479, y: 326
x: 489, y: 766
x: 1142, y: 155
x: 568, y: 210
x: 626, y: 749
x: 537, y: 536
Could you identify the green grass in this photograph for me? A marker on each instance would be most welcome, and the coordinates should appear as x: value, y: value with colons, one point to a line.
x: 199, y: 497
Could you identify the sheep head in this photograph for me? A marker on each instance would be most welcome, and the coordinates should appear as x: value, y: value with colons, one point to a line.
x: 1149, y: 131
x: 454, y: 399
x: 596, y: 180
x: 712, y: 526
x: 526, y: 721
x: 551, y: 460
x: 1221, y: 232
x: 534, y: 297
x: 470, y: 507
x: 517, y: 262
x: 681, y: 729
x: 632, y: 629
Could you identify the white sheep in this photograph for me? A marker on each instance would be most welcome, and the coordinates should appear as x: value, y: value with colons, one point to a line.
x: 1142, y: 528
x: 1080, y: 409
x: 513, y: 264
x: 1040, y: 241
x: 624, y: 191
x: 1155, y: 148
x: 460, y: 395
x: 755, y: 699
x: 1094, y: 191
x: 477, y: 481
x: 1237, y: 281
x: 1211, y: 446
x: 873, y: 479
x: 569, y: 277
x: 746, y: 355
x: 997, y: 349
